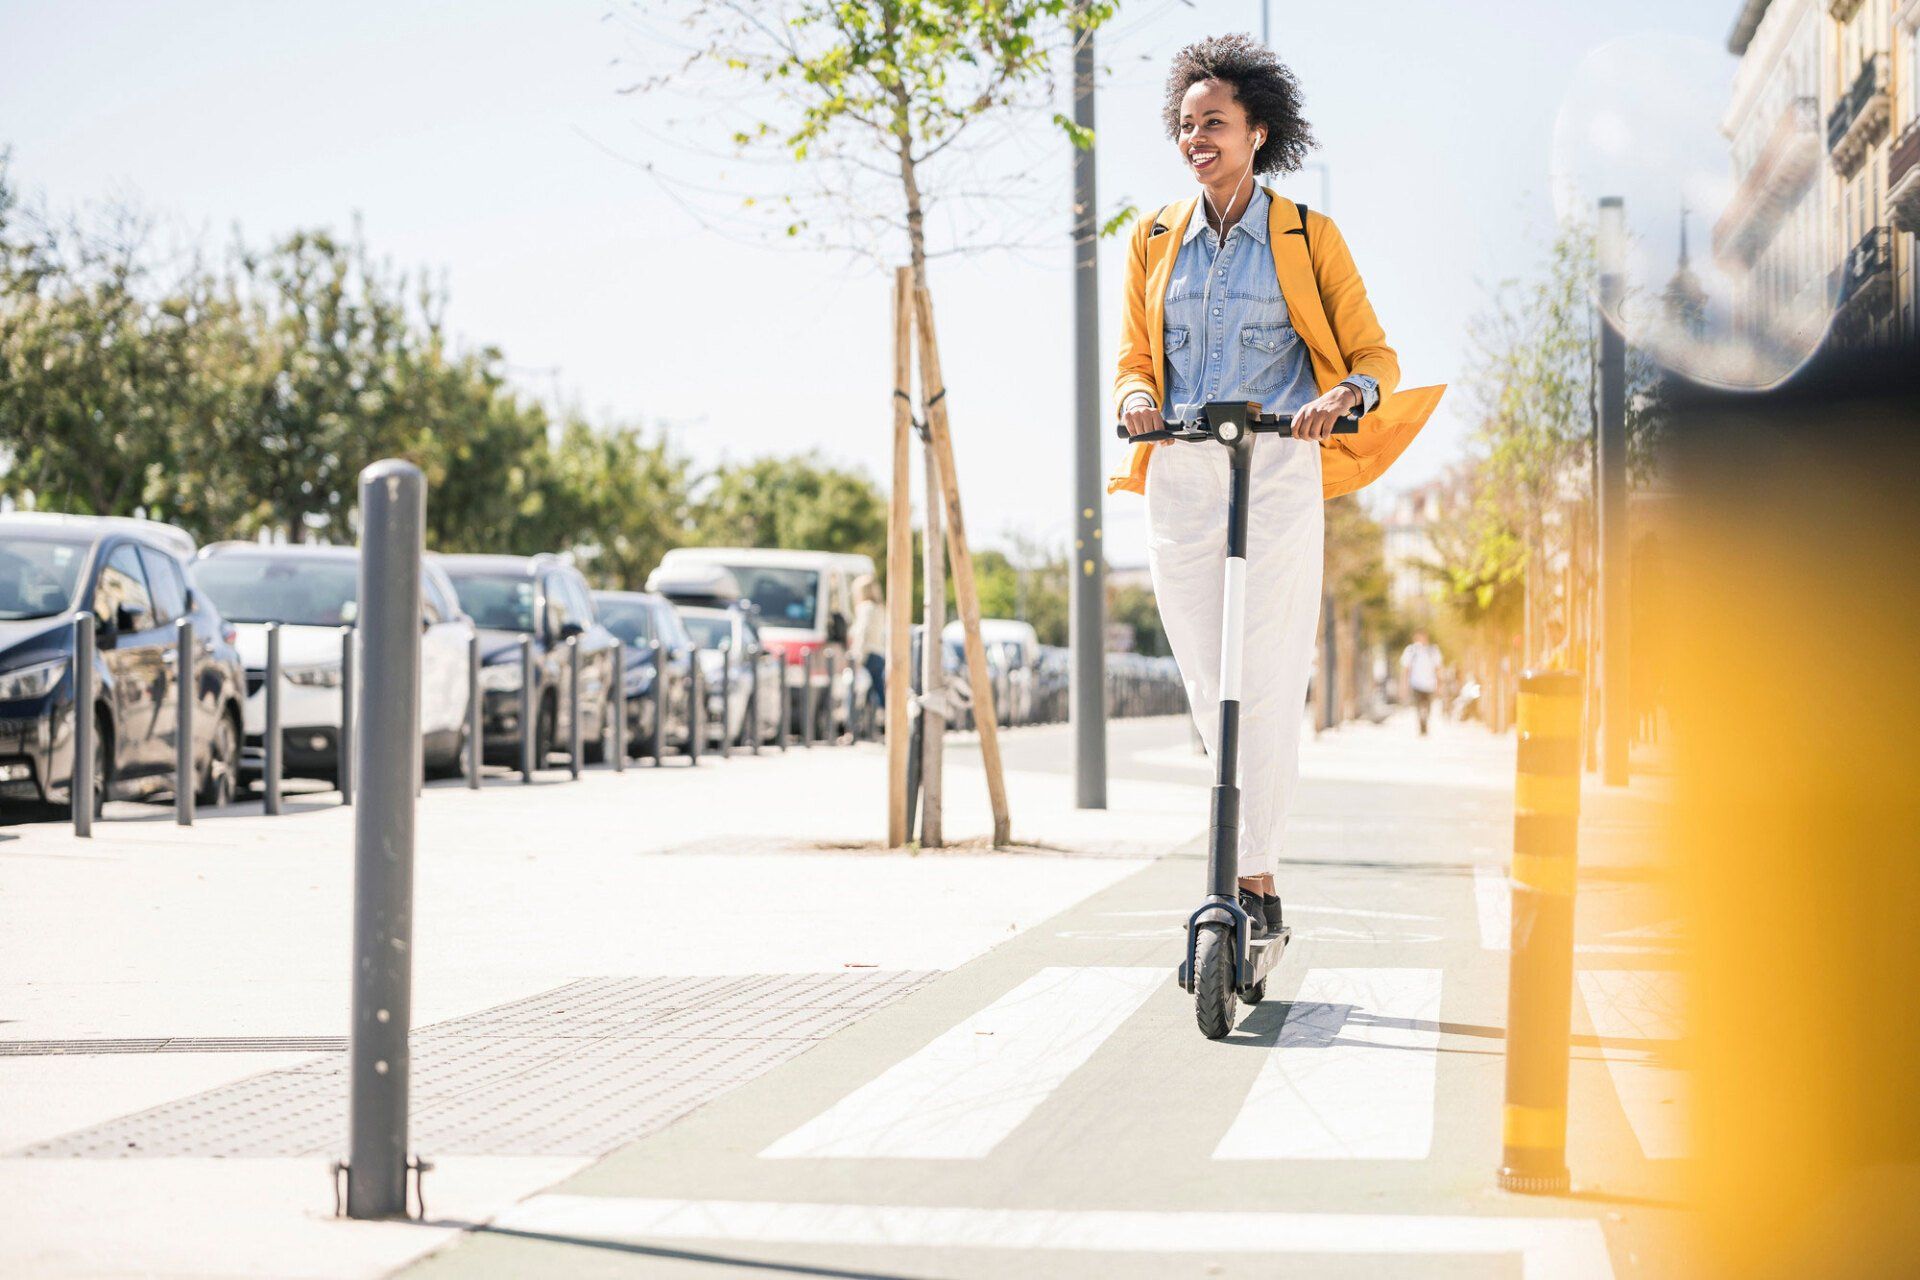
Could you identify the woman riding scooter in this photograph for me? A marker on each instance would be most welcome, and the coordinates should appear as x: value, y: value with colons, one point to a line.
x: 1241, y: 295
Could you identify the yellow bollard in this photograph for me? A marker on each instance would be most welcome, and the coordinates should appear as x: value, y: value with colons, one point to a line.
x: 1546, y: 821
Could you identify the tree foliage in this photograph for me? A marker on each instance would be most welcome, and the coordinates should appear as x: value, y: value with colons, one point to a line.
x: 244, y: 400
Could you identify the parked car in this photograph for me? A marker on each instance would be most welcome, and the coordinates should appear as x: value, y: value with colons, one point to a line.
x: 1013, y: 652
x: 804, y: 604
x: 131, y: 574
x: 313, y: 593
x: 712, y: 626
x: 544, y: 597
x: 707, y: 598
x: 638, y: 619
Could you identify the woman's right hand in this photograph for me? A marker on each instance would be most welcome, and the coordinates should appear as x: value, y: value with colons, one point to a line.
x: 1140, y: 415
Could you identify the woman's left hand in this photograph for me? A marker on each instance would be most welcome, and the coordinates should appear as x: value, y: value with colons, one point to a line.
x: 1315, y: 421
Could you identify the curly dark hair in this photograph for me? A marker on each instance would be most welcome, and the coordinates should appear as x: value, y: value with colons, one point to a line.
x: 1261, y: 84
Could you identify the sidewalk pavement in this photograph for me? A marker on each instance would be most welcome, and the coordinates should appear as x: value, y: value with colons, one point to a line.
x: 174, y: 1000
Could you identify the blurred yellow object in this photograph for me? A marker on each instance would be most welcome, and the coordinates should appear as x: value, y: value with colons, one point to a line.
x: 1797, y: 713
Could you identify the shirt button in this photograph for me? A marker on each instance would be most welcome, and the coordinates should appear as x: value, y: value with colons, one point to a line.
x: 1216, y: 311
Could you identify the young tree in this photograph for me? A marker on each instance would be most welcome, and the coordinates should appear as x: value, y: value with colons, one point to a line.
x: 879, y: 101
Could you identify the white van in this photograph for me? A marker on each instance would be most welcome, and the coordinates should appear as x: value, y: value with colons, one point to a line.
x: 805, y: 604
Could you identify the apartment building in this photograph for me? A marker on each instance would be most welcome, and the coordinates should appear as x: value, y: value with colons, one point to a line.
x: 1823, y: 144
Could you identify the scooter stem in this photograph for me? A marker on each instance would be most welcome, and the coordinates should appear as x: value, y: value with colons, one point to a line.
x: 1223, y: 846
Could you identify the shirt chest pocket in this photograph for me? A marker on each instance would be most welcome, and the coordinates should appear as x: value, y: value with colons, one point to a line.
x: 1179, y: 344
x: 1268, y: 353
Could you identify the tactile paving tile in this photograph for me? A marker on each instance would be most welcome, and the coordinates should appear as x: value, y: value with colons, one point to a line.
x: 578, y: 1070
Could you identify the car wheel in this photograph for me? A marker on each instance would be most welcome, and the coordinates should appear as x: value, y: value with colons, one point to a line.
x: 223, y: 764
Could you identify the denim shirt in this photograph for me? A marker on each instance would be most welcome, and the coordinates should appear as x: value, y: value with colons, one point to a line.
x: 1227, y: 332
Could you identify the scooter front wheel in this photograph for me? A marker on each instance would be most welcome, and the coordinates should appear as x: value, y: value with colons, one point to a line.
x: 1214, y: 1001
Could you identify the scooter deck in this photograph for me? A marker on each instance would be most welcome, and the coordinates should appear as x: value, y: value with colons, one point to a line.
x: 1264, y: 953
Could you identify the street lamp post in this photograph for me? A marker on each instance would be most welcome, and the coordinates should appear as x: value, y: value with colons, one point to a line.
x: 1088, y: 617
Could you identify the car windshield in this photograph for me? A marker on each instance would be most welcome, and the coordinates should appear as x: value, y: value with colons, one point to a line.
x: 38, y: 576
x: 709, y: 631
x: 626, y: 619
x: 496, y: 601
x: 785, y: 597
x: 300, y: 591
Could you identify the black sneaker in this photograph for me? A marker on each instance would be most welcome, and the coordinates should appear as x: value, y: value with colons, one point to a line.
x: 1270, y: 907
x: 1256, y: 913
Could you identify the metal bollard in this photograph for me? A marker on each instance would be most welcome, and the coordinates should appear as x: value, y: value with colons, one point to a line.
x: 620, y: 735
x: 183, y: 728
x: 830, y: 731
x: 476, y: 717
x: 696, y: 707
x: 806, y: 700
x: 80, y: 780
x: 392, y: 529
x: 529, y: 738
x: 786, y: 704
x: 659, y: 742
x: 573, y: 707
x: 755, y: 654
x: 853, y: 700
x: 726, y: 699
x: 273, y: 740
x: 343, y: 746
x: 1540, y: 968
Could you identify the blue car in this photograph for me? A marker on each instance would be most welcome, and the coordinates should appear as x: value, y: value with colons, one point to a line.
x: 131, y: 575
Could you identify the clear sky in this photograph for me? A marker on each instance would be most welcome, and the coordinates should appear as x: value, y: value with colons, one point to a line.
x: 487, y: 140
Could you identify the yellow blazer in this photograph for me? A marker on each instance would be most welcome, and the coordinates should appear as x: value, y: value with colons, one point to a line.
x: 1327, y: 304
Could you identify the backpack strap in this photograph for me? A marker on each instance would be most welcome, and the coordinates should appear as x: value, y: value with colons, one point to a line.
x: 1303, y: 228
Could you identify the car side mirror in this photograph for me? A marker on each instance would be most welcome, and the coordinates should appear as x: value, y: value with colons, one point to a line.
x: 128, y: 617
x: 837, y: 628
x: 105, y: 632
x: 568, y: 630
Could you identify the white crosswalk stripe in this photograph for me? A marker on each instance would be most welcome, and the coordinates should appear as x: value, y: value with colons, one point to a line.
x: 1642, y: 1005
x: 957, y: 1098
x: 1353, y: 1074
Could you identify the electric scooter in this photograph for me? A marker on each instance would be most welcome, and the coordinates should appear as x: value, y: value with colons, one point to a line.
x: 1224, y: 962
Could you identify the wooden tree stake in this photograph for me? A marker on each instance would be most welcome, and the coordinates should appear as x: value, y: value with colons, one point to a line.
x: 900, y: 563
x: 963, y: 585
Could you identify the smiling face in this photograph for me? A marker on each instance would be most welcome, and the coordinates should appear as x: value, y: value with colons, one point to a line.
x: 1214, y: 137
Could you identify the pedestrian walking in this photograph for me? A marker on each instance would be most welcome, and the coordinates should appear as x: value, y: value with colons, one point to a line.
x: 1420, y: 668
x: 1239, y: 294
x: 868, y: 639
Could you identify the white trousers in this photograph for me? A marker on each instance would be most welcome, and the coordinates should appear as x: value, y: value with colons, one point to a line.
x: 1187, y: 490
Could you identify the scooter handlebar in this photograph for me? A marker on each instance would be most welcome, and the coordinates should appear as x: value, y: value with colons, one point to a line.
x: 1267, y: 423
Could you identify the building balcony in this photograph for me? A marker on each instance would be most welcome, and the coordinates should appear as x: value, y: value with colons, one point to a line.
x: 1863, y: 283
x: 1903, y: 178
x: 1781, y: 175
x: 1861, y: 116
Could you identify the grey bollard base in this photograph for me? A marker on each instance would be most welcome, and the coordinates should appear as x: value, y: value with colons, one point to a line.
x: 392, y: 521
